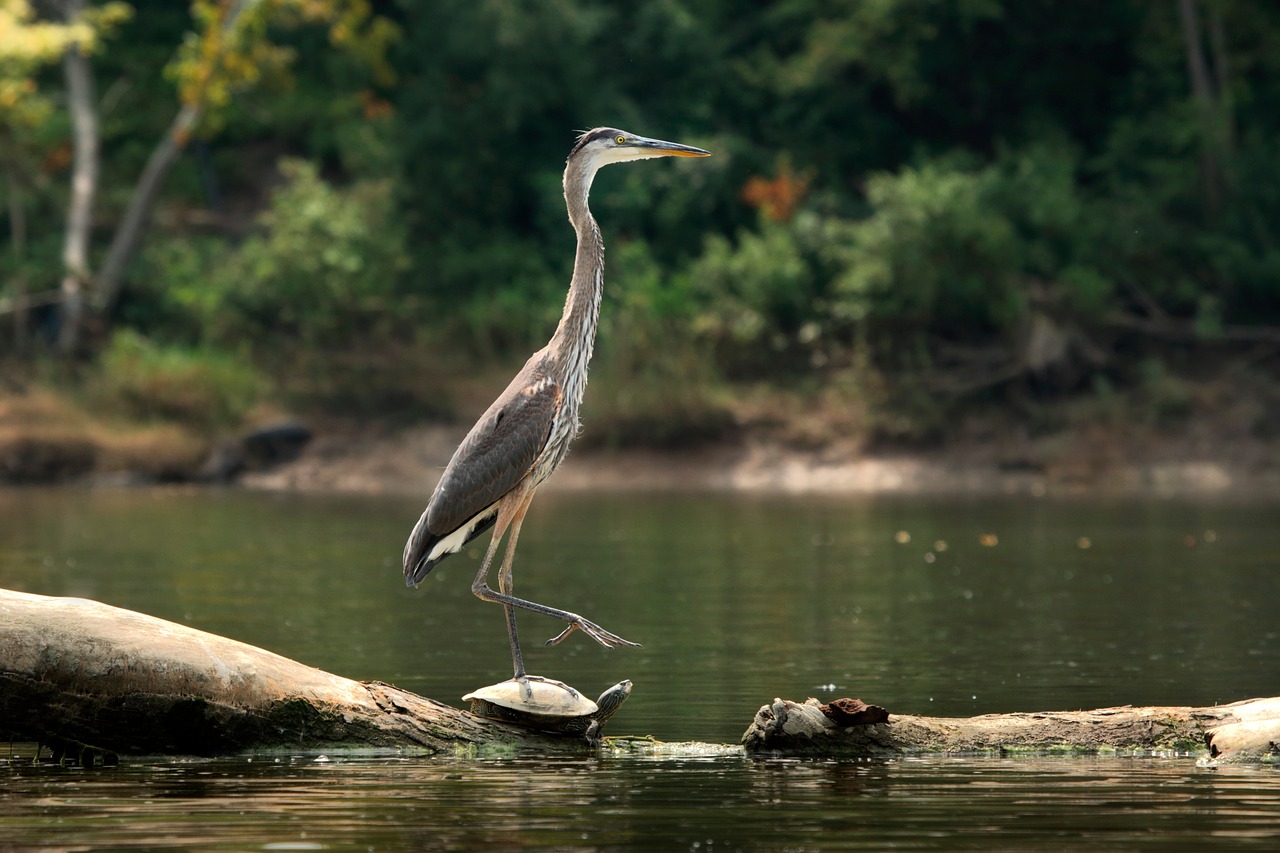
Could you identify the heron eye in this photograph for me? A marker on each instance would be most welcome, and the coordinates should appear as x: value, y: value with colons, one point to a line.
x: 620, y: 139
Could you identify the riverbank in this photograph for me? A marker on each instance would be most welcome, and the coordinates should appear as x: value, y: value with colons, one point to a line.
x: 350, y: 459
x: 45, y: 438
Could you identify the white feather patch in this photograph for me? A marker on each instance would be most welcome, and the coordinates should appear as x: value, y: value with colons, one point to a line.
x: 453, y: 543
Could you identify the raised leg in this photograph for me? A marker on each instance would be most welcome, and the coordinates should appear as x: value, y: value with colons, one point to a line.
x: 511, y: 514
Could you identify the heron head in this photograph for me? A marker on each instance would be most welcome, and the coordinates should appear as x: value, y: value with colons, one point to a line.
x: 606, y: 145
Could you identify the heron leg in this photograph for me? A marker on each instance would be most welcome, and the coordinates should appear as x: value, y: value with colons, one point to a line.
x: 510, y: 514
x: 507, y: 514
x: 506, y: 584
x: 517, y: 659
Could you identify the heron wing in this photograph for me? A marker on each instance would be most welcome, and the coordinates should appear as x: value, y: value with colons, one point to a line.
x: 501, y: 450
x: 497, y: 454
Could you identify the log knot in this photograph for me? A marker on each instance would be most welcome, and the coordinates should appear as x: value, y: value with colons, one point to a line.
x: 853, y: 712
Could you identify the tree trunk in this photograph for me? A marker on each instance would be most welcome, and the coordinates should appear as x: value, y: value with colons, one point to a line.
x: 128, y: 235
x: 84, y: 186
x: 1222, y: 79
x: 18, y: 237
x: 1247, y: 731
x: 1213, y: 119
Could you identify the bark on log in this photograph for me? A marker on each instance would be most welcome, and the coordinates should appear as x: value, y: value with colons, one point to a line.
x: 1247, y: 731
x: 80, y: 674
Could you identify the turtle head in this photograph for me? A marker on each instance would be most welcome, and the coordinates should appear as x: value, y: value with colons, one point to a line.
x: 611, y: 700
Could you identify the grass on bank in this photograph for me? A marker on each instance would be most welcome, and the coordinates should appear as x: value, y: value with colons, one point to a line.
x: 48, y: 435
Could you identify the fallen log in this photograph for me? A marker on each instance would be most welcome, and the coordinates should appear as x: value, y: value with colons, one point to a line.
x: 78, y: 674
x: 1247, y: 731
x: 81, y: 675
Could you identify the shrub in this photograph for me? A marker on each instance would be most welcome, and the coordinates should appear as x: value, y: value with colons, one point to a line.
x: 327, y: 268
x: 319, y: 298
x: 935, y: 257
x: 202, y: 388
x: 763, y: 299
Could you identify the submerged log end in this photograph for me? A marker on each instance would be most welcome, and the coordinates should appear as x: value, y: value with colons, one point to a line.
x: 1247, y: 732
x: 1253, y: 742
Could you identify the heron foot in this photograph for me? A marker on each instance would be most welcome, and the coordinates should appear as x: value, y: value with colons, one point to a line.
x: 525, y: 678
x: 608, y: 639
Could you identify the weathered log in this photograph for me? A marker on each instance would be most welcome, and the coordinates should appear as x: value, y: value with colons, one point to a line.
x: 1247, y: 731
x: 80, y: 674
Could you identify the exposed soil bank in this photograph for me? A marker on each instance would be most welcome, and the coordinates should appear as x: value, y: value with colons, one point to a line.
x: 410, y: 462
x: 45, y: 439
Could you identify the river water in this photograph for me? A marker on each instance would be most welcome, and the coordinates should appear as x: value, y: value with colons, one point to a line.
x: 937, y: 606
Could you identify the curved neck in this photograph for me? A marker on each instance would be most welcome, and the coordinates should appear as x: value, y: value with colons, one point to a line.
x: 574, y: 338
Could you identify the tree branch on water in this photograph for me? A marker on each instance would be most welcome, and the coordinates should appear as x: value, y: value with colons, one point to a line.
x: 78, y: 674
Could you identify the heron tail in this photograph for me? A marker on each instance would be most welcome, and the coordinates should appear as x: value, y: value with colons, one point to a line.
x: 425, y: 549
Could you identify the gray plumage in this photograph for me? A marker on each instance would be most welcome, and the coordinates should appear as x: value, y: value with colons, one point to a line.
x: 524, y: 436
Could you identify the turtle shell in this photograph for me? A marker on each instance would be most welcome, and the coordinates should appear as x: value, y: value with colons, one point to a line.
x: 539, y: 703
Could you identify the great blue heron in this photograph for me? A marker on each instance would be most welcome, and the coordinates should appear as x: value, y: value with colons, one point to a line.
x: 525, y: 434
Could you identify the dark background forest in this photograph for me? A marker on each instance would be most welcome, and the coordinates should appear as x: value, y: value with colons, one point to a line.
x: 1043, y: 215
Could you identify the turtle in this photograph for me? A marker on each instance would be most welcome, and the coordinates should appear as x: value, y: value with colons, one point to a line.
x: 548, y: 705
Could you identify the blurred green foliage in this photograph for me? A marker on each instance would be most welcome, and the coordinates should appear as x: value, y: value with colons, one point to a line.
x: 205, y: 389
x: 897, y: 186
x: 657, y: 381
x: 325, y: 268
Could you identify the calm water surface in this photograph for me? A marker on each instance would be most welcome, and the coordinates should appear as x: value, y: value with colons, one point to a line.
x: 923, y: 606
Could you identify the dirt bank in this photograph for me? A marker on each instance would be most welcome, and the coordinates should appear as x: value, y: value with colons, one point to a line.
x: 410, y: 462
x: 45, y: 438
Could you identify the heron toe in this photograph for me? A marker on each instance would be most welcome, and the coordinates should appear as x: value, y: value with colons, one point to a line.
x: 526, y: 678
x: 608, y: 639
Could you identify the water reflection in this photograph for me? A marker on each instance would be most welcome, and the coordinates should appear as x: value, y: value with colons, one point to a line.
x: 668, y: 804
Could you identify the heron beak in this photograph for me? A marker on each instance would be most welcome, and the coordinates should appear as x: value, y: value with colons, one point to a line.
x: 669, y: 149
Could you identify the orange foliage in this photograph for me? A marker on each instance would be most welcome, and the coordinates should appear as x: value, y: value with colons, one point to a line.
x: 372, y: 107
x: 777, y: 197
x: 58, y: 159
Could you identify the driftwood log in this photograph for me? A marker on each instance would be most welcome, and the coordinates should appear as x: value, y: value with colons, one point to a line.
x: 78, y: 674
x: 1247, y: 731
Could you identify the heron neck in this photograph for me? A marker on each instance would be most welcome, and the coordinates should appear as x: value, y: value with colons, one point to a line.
x: 574, y: 338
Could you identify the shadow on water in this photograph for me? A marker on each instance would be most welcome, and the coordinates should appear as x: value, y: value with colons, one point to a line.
x: 923, y: 606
